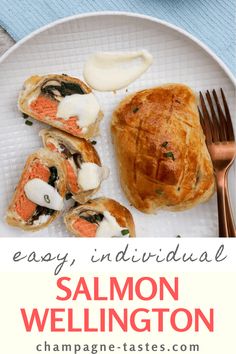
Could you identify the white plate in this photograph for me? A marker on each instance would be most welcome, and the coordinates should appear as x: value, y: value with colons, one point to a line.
x: 63, y: 47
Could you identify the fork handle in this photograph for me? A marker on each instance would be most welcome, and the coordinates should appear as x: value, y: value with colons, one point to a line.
x: 229, y: 213
x: 220, y: 182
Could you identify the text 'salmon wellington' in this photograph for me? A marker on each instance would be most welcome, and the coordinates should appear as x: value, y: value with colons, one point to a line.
x: 113, y: 311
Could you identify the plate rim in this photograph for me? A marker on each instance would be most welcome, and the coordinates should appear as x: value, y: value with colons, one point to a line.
x: 180, y: 30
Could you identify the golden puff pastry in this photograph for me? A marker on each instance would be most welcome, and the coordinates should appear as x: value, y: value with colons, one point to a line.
x: 46, y: 167
x: 160, y: 146
x: 63, y: 102
x: 78, y: 154
x: 100, y: 217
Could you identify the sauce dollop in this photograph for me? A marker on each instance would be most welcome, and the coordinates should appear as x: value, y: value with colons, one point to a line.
x: 109, y: 71
x: 85, y: 107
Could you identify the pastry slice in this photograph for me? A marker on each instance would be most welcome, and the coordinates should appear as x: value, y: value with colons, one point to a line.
x: 81, y: 160
x: 63, y: 102
x: 38, y: 198
x: 100, y: 217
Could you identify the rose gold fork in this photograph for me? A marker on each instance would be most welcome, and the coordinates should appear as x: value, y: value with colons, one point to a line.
x: 221, y: 145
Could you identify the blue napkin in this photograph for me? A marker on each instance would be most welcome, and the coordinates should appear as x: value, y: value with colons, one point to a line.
x: 212, y: 21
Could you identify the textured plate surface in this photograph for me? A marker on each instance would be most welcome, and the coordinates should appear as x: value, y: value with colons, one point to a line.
x: 63, y: 48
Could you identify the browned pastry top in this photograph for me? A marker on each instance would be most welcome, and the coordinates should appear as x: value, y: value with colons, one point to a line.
x: 163, y: 159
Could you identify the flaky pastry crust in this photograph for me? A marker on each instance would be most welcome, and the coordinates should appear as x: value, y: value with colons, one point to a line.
x: 160, y: 147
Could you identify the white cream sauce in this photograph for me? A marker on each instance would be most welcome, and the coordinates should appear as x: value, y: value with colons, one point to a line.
x: 90, y: 175
x: 109, y: 227
x: 108, y: 71
x: 41, y: 220
x: 85, y: 107
x: 41, y: 193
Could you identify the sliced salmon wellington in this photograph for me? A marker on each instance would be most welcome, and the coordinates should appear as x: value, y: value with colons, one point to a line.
x: 76, y: 152
x: 22, y: 205
x: 52, y: 147
x: 71, y: 174
x: 71, y: 178
x: 100, y: 217
x: 63, y: 102
x: 46, y: 170
x: 45, y: 106
x: 85, y: 228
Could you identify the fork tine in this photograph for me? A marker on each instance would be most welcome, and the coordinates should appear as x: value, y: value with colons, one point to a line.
x: 205, y: 128
x: 230, y: 129
x: 202, y: 121
x: 207, y: 121
x: 223, y: 123
x: 219, y: 135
